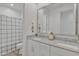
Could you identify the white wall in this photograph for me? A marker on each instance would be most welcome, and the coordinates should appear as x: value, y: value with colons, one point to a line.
x: 42, y: 4
x: 30, y: 15
x: 9, y: 12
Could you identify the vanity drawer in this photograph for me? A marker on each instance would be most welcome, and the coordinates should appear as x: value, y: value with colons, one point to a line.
x: 61, y: 52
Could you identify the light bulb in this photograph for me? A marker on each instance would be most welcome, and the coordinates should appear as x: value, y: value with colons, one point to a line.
x: 11, y: 4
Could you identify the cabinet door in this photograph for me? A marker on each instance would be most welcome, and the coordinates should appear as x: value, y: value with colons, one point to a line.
x: 30, y: 53
x: 33, y: 48
x: 54, y: 51
x: 43, y: 50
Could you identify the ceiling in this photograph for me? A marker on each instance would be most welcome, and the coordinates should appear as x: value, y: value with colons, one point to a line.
x: 17, y: 6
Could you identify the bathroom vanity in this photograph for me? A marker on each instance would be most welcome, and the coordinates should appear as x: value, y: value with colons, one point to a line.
x: 62, y: 20
x: 42, y: 46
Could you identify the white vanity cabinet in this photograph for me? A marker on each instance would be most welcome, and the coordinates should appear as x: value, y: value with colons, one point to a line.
x: 43, y: 49
x: 37, y: 48
x: 55, y: 51
x: 33, y: 48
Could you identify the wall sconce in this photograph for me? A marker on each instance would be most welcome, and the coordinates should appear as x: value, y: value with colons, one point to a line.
x: 32, y: 27
x: 39, y: 28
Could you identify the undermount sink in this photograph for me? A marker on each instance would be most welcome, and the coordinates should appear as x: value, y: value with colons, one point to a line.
x: 67, y: 45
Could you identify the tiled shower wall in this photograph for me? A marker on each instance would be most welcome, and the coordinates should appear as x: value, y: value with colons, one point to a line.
x: 10, y: 34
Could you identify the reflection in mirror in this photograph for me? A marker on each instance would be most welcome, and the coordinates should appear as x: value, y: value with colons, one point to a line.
x: 67, y: 22
x: 57, y: 18
x: 42, y: 21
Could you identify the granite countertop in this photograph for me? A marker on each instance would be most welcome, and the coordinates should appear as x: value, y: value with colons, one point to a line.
x: 68, y: 44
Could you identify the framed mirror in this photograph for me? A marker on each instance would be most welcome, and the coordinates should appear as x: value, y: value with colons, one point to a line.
x: 59, y: 18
